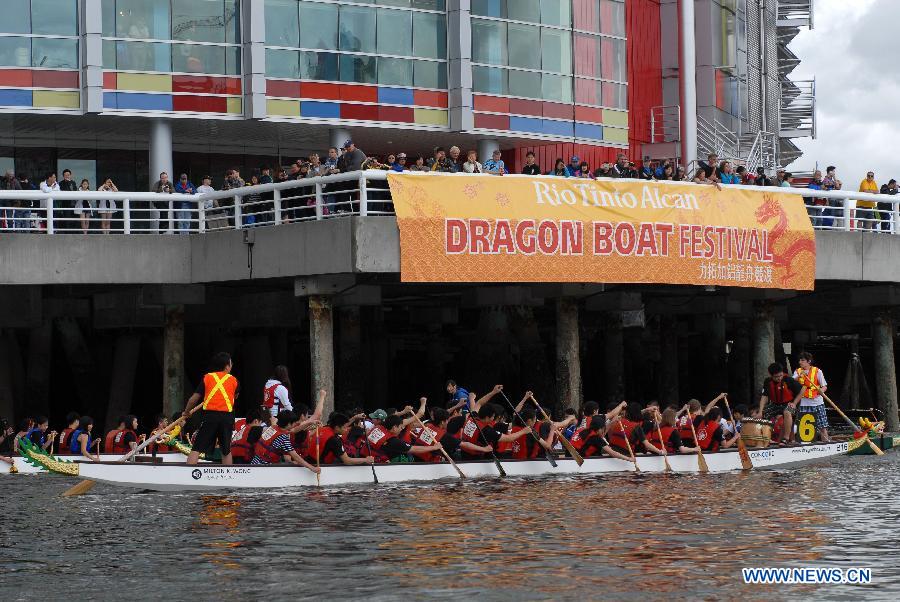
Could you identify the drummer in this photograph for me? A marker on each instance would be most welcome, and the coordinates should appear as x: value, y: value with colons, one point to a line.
x: 779, y: 396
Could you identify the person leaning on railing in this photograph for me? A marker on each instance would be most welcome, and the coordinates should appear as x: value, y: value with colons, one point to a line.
x: 866, y: 214
x: 886, y: 209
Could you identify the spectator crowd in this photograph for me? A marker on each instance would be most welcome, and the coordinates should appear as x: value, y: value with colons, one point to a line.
x: 181, y: 215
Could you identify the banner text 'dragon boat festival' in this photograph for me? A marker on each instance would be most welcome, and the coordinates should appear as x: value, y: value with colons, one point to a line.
x: 545, y: 229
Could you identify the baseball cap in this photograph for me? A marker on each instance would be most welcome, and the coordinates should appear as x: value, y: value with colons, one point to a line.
x: 347, y: 143
x: 378, y: 415
x: 401, y: 156
x: 574, y: 159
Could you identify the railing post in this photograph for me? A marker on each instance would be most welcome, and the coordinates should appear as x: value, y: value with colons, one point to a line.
x: 846, y: 207
x: 895, y: 222
x: 320, y: 208
x: 201, y: 216
x: 363, y: 196
x: 126, y: 216
x: 276, y: 199
x: 171, y: 220
x: 49, y: 216
x: 237, y: 212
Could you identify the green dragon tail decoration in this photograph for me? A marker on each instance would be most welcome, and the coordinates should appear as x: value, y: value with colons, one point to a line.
x: 37, y: 457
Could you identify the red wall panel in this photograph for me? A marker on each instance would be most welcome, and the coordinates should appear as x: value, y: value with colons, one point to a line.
x: 546, y: 155
x: 642, y: 25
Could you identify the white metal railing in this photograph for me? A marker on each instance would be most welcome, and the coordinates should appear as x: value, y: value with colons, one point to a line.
x: 798, y: 109
x: 762, y: 152
x: 715, y: 137
x: 665, y: 124
x: 358, y: 193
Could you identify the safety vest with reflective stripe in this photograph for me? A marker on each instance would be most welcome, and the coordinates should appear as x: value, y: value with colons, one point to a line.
x: 811, y: 380
x: 219, y: 388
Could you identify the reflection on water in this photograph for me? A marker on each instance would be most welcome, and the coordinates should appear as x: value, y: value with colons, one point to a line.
x: 584, y: 538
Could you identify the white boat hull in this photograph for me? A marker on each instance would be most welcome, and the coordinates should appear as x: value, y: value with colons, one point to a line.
x: 181, y: 477
x: 25, y: 467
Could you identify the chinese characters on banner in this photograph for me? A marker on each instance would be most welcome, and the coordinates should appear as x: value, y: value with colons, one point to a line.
x: 480, y: 228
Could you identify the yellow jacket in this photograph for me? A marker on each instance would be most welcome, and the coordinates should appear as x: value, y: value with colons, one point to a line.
x: 871, y: 187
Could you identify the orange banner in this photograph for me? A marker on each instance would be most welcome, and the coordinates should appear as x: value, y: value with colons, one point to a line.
x: 483, y: 228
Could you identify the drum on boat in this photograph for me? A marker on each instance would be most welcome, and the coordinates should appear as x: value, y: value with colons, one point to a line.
x: 756, y: 432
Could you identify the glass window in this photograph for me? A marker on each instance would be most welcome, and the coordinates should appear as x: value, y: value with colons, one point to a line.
x: 556, y: 12
x: 489, y: 80
x: 615, y: 96
x: 359, y: 69
x: 319, y: 65
x: 428, y: 74
x: 109, y: 54
x: 318, y: 25
x: 489, y: 8
x: 612, y: 17
x: 613, y: 59
x: 394, y: 32
x: 143, y: 56
x: 282, y: 63
x: 16, y: 17
x: 109, y: 18
x: 198, y: 20
x: 524, y: 83
x: 556, y: 87
x: 357, y: 32
x: 588, y: 91
x: 488, y: 42
x: 56, y: 53
x: 233, y: 60
x: 142, y: 19
x: 53, y: 17
x: 440, y: 5
x: 556, y: 50
x: 523, y: 46
x: 524, y: 10
x: 15, y: 52
x: 429, y: 36
x: 193, y: 58
x: 281, y: 23
x: 403, y: 3
x: 395, y: 72
x: 587, y: 55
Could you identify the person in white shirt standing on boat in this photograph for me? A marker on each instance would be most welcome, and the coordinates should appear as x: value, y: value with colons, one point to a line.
x: 277, y: 393
x: 814, y: 385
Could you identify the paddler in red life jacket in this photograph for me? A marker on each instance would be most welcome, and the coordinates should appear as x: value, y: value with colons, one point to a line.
x: 711, y: 435
x: 438, y: 430
x: 630, y: 426
x: 591, y: 409
x: 277, y: 392
x: 528, y: 448
x: 671, y: 437
x: 162, y: 421
x: 126, y: 438
x: 65, y: 437
x: 692, y: 411
x: 386, y: 444
x: 593, y: 441
x: 779, y: 398
x: 244, y: 438
x: 331, y: 443
x: 274, y: 443
x: 308, y: 421
x: 482, y: 429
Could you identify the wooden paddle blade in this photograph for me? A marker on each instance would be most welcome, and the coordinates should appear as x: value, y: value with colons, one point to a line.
x: 79, y: 488
x: 746, y: 463
x: 374, y: 476
x: 668, y: 466
x: 499, y: 467
x: 567, y: 445
x: 704, y: 467
x: 874, y: 447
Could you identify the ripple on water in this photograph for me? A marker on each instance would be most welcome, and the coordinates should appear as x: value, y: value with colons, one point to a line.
x: 573, y: 537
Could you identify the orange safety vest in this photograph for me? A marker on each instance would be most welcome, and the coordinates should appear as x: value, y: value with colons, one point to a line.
x: 811, y: 380
x: 219, y: 389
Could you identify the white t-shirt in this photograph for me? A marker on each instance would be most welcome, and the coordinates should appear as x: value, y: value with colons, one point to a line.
x: 282, y: 399
x: 820, y: 382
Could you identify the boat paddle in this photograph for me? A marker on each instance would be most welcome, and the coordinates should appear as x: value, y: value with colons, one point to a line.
x: 662, y: 443
x: 628, y: 445
x: 746, y: 462
x: 537, y: 439
x: 442, y: 450
x: 318, y: 455
x: 804, y: 380
x: 488, y: 445
x: 562, y: 438
x: 701, y: 461
x: 369, y: 447
x: 86, y: 485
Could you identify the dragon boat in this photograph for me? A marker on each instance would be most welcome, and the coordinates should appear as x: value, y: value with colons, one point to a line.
x: 174, y: 476
x: 874, y: 430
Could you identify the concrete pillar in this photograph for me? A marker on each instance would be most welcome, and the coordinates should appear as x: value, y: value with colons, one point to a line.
x: 885, y: 367
x: 253, y: 29
x: 173, y: 360
x: 688, y: 77
x: 350, y: 358
x: 668, y: 361
x: 161, y: 149
x: 486, y: 147
x: 124, y: 369
x: 568, y: 354
x: 459, y: 38
x: 338, y: 136
x: 81, y: 363
x: 613, y: 358
x: 533, y: 369
x: 91, y: 47
x: 763, y: 341
x: 321, y: 349
x: 37, y: 377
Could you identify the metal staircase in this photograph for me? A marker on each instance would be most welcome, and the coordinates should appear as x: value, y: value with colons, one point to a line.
x: 797, y: 116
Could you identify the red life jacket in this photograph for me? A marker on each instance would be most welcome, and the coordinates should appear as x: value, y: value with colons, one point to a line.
x: 586, y: 450
x: 577, y: 439
x: 684, y: 429
x: 377, y: 437
x: 317, y: 449
x: 471, y: 433
x: 779, y: 393
x: 269, y: 399
x: 430, y: 435
x: 616, y: 437
x: 653, y: 438
x: 238, y: 425
x: 504, y: 448
x: 520, y: 449
x: 118, y: 444
x: 65, y: 443
x: 705, y: 435
x: 263, y: 448
x: 241, y: 450
x: 356, y: 448
x: 108, y: 440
